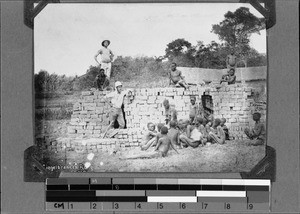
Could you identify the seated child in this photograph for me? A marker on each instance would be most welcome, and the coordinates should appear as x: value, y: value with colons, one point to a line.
x: 225, y: 129
x: 209, y: 123
x: 173, y: 134
x: 101, y: 81
x: 230, y: 77
x: 149, y: 137
x: 170, y: 111
x: 257, y: 134
x: 176, y: 78
x: 217, y: 135
x: 193, y: 137
x: 161, y: 149
x: 194, y: 109
x: 202, y: 128
x: 159, y: 126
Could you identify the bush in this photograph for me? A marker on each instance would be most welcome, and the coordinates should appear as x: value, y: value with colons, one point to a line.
x: 53, y: 114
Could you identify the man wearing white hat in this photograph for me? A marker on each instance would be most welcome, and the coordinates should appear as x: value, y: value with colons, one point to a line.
x: 106, y: 58
x: 116, y: 102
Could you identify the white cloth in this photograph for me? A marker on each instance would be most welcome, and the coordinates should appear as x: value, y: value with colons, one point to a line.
x: 116, y: 98
x: 105, y: 55
x: 196, y: 134
x: 107, y: 69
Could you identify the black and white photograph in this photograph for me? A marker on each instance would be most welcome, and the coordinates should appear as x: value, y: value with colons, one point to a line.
x: 152, y: 87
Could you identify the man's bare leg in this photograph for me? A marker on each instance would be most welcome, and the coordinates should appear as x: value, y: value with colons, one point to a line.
x: 215, y: 138
x: 147, y: 145
x: 189, y: 141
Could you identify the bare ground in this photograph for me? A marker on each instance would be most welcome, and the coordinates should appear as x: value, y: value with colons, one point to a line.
x: 234, y: 156
x: 231, y: 157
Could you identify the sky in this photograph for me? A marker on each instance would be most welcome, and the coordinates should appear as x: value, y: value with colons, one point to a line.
x: 67, y: 36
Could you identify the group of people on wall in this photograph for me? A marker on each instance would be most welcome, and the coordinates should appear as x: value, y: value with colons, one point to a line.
x: 192, y: 132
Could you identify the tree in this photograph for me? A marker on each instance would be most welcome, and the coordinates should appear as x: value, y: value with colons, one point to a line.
x: 236, y: 28
x: 210, y: 56
x: 255, y: 59
x: 177, y: 47
x: 180, y: 51
x: 41, y: 81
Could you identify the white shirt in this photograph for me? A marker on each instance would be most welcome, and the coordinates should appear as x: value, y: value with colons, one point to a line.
x: 105, y: 55
x: 116, y: 98
x: 196, y: 134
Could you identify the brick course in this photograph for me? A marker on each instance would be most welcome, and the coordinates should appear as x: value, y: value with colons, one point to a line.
x: 89, y: 118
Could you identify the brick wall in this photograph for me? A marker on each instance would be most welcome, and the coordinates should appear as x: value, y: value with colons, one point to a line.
x: 233, y: 102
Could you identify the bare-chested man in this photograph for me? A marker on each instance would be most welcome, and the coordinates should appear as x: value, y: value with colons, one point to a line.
x: 231, y: 60
x: 257, y: 134
x: 176, y: 78
x: 193, y: 137
x: 216, y: 134
x: 170, y: 112
x: 150, y: 136
x: 173, y: 134
x: 161, y: 149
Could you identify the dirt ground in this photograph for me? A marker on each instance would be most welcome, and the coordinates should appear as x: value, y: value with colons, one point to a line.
x: 234, y: 156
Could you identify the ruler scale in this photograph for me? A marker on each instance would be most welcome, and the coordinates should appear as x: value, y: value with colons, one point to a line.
x: 157, y: 194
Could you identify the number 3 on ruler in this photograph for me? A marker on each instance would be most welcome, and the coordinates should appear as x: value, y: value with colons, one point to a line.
x: 116, y: 206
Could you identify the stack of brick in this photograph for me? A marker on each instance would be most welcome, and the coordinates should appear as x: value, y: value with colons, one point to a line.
x: 90, y: 144
x: 89, y: 116
x: 233, y: 102
x: 147, y: 105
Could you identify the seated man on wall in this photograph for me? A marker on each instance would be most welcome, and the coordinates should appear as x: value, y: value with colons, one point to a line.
x: 101, y: 81
x: 176, y: 78
x: 230, y: 77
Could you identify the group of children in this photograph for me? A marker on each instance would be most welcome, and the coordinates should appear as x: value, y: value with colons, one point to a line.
x: 193, y: 132
x: 176, y: 78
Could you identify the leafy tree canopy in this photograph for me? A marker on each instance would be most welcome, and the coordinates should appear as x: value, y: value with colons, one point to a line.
x: 237, y: 27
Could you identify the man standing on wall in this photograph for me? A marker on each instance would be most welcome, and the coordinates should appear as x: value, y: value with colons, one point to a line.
x: 116, y: 102
x: 170, y: 112
x: 106, y: 58
x: 231, y: 60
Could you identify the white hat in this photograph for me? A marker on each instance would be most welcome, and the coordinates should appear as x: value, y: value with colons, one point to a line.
x: 118, y: 83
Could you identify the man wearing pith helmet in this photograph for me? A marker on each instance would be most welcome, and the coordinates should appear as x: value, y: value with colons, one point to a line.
x: 106, y: 57
x: 116, y: 102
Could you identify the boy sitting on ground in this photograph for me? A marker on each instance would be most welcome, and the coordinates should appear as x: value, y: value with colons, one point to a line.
x: 202, y: 128
x: 257, y: 134
x: 161, y: 149
x: 101, y: 81
x: 173, y: 134
x: 176, y: 78
x: 225, y: 129
x: 230, y: 78
x: 193, y: 136
x: 217, y: 135
x: 170, y: 111
x: 149, y: 137
x: 153, y: 141
x: 194, y: 109
x: 209, y: 123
